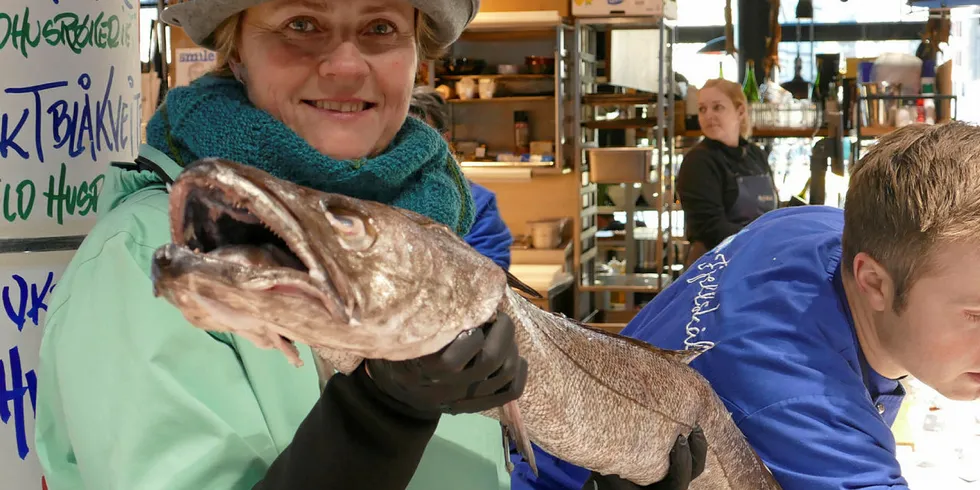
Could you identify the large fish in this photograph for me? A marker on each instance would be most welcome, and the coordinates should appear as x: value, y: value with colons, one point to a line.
x: 279, y: 263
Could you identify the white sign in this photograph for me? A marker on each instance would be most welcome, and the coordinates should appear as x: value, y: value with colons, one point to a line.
x: 69, y: 105
x: 27, y: 281
x: 192, y: 63
x: 635, y: 68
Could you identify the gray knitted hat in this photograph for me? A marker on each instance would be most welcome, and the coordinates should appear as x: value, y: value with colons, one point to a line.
x: 199, y: 18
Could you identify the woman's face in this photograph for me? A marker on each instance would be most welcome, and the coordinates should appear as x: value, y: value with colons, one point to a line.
x: 337, y: 72
x: 719, y: 118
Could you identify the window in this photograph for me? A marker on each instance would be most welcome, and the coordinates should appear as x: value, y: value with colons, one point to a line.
x: 704, y: 12
x: 147, y: 15
x: 837, y: 11
x: 964, y: 52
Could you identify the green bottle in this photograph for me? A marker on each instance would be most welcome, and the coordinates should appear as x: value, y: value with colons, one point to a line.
x: 749, y: 87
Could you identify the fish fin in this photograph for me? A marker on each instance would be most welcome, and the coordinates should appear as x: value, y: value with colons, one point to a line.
x: 687, y: 355
x: 513, y: 426
x: 516, y: 283
x: 506, y: 440
x: 338, y: 360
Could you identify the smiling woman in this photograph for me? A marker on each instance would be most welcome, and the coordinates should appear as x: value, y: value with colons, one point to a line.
x: 314, y: 92
x: 724, y: 182
x: 374, y: 48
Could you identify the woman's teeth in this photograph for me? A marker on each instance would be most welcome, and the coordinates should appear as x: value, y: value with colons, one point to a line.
x: 340, y: 106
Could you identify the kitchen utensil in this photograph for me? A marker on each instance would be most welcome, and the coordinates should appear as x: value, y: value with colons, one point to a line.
x: 540, y: 65
x: 487, y: 88
x: 547, y: 233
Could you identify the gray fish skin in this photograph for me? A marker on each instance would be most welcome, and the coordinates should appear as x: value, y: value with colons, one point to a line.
x: 612, y: 405
x: 356, y: 279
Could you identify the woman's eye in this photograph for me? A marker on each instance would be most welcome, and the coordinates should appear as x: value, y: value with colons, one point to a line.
x: 301, y: 25
x: 381, y: 28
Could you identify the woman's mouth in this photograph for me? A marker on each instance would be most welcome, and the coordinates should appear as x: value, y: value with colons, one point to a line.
x: 352, y: 107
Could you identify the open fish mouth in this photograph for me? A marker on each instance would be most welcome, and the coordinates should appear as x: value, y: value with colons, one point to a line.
x: 225, y: 218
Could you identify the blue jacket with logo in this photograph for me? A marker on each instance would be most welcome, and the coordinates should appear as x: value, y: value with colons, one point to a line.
x: 784, y: 358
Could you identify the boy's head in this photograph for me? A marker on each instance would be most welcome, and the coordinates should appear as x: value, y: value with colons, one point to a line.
x: 912, y: 243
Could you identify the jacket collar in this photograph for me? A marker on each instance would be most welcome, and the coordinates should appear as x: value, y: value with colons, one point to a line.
x: 732, y: 152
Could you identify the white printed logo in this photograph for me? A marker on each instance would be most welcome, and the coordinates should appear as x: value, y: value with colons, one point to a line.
x: 705, y: 302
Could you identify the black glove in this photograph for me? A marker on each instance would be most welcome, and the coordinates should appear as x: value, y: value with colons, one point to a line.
x: 686, y: 463
x: 479, y: 370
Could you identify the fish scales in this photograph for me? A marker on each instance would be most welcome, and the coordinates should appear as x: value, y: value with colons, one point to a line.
x: 636, y: 401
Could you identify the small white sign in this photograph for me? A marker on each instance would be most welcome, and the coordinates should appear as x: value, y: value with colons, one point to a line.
x: 192, y: 63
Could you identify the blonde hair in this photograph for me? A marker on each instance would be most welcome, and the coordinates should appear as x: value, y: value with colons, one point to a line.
x: 226, y: 37
x: 734, y: 92
x: 918, y: 187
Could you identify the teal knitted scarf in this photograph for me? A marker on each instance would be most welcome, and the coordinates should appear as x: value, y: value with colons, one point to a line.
x: 214, y: 118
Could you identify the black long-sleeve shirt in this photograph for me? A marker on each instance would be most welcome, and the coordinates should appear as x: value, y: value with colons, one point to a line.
x: 352, y: 439
x: 707, y: 187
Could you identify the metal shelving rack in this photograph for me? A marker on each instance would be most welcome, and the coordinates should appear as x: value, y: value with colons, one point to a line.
x: 495, y: 26
x: 864, y: 132
x: 595, y: 290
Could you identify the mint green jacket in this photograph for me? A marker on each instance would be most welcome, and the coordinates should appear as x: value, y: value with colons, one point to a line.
x: 131, y: 396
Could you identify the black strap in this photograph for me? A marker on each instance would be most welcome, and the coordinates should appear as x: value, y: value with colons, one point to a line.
x: 142, y: 163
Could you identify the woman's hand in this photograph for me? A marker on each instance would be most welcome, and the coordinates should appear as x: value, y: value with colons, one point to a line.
x: 686, y: 463
x: 481, y: 369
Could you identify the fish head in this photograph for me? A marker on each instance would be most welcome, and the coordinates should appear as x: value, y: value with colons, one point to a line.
x: 279, y: 263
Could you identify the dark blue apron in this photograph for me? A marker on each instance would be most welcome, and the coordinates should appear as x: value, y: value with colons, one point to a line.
x: 756, y: 196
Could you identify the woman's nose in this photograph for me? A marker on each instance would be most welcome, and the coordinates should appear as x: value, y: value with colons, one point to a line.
x: 345, y: 62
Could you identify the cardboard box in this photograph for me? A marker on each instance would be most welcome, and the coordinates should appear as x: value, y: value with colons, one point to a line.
x: 560, y: 6
x: 603, y: 8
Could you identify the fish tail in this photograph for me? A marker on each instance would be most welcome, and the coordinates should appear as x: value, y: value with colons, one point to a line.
x: 513, y: 426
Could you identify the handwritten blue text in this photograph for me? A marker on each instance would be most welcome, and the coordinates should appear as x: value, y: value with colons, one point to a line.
x: 26, y: 301
x: 12, y: 398
x: 62, y: 116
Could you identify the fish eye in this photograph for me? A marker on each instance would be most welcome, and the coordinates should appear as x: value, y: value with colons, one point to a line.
x: 349, y: 226
x: 344, y: 220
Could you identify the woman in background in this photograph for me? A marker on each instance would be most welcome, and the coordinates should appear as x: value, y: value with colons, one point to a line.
x: 725, y: 181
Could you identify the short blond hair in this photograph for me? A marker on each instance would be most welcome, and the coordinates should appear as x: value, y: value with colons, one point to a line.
x: 227, y: 35
x: 917, y: 187
x: 734, y: 92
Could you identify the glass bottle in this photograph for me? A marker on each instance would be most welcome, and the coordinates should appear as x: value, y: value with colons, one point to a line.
x: 749, y: 85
